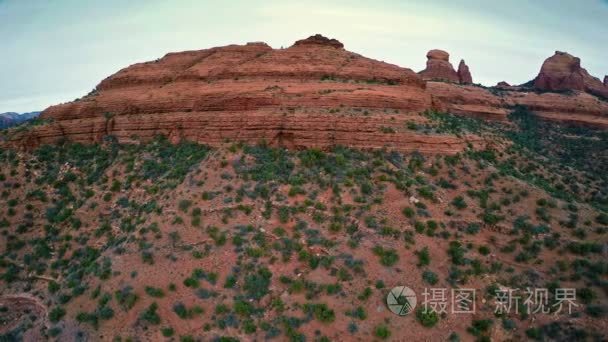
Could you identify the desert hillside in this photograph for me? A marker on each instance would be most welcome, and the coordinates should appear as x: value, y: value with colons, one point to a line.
x: 250, y: 193
x: 155, y: 241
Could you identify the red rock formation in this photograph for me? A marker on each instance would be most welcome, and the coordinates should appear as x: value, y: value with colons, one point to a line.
x: 563, y: 71
x: 497, y: 103
x: 312, y: 94
x: 606, y: 81
x: 464, y: 75
x: 438, y: 67
x: 502, y: 84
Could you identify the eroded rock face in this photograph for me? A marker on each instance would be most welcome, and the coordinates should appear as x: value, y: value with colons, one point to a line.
x: 606, y: 81
x: 496, y: 103
x: 464, y: 75
x: 438, y: 67
x: 320, y: 40
x: 312, y: 94
x: 563, y: 71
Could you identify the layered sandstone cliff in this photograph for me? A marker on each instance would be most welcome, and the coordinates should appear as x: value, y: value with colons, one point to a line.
x: 312, y: 94
x: 496, y: 103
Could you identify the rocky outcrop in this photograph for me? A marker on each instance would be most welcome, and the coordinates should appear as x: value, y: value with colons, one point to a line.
x: 563, y: 71
x: 320, y: 40
x: 290, y: 130
x: 438, y: 67
x: 606, y: 81
x: 464, y: 75
x: 496, y: 103
x: 312, y: 94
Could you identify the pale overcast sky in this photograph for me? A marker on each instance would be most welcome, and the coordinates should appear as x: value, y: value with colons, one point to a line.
x: 56, y: 51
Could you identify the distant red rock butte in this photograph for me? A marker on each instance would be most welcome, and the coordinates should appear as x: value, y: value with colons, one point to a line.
x: 312, y: 94
x: 563, y: 71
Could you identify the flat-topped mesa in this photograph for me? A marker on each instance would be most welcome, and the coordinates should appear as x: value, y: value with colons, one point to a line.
x: 562, y: 71
x: 319, y: 39
x: 464, y: 75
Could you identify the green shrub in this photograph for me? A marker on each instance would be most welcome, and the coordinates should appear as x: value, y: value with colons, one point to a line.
x: 459, y: 203
x: 388, y: 257
x: 184, y: 312
x: 419, y: 227
x: 602, y: 219
x: 424, y: 257
x: 382, y: 332
x: 167, y: 331
x: 155, y: 292
x: 473, y: 228
x: 184, y: 205
x: 409, y: 212
x: 484, y: 250
x: 596, y: 311
x: 243, y: 308
x: 321, y: 312
x: 126, y: 298
x: 367, y: 292
x: 480, y: 326
x: 56, y: 314
x: 115, y: 187
x: 430, y: 277
x: 427, y: 318
x: 256, y: 284
x: 359, y: 313
x: 150, y: 315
